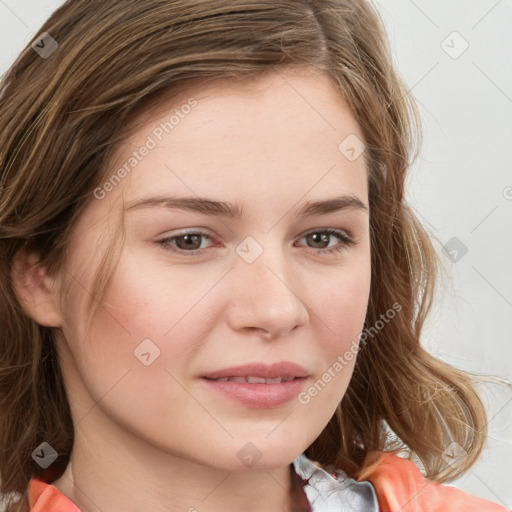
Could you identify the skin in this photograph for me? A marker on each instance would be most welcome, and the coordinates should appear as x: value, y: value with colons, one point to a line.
x: 155, y: 437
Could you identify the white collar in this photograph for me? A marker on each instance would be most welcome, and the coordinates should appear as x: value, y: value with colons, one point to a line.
x: 327, y: 493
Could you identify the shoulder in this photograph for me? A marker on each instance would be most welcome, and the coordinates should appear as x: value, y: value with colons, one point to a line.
x: 400, y: 486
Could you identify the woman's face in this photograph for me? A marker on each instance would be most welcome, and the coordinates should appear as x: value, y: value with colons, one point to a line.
x: 265, y: 286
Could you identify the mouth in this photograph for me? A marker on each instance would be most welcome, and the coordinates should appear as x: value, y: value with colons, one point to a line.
x: 258, y: 385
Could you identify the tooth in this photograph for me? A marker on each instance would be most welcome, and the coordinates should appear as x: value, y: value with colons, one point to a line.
x: 238, y: 379
x: 255, y: 380
x: 222, y: 379
x: 274, y: 380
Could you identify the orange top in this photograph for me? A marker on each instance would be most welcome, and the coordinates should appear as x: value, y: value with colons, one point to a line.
x: 399, y: 484
x: 44, y: 497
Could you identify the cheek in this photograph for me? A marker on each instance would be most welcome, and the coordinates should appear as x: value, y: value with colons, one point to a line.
x: 342, y: 304
x: 142, y: 319
x: 146, y: 300
x: 139, y: 345
x: 341, y: 311
x: 153, y: 322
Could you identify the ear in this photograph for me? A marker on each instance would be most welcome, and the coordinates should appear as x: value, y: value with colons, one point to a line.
x: 35, y: 290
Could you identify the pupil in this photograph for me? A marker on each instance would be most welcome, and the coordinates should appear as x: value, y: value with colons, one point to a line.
x: 190, y: 239
x: 320, y: 236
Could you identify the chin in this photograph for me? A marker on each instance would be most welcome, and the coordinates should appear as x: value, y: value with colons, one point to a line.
x: 267, y: 455
x: 248, y: 455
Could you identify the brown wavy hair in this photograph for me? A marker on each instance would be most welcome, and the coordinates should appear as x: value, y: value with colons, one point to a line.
x: 61, y: 119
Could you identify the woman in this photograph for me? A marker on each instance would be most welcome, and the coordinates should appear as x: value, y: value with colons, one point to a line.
x: 213, y: 290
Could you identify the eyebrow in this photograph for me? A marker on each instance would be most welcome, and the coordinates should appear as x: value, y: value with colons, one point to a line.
x: 209, y: 206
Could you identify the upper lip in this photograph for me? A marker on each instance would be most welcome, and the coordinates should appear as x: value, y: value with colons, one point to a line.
x: 281, y: 369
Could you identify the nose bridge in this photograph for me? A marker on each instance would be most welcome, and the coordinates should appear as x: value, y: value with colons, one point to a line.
x: 266, y: 295
x: 264, y: 264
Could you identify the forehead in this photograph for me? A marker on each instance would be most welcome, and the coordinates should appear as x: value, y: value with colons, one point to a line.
x: 278, y: 135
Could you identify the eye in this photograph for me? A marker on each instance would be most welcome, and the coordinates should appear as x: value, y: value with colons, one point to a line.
x: 185, y: 242
x: 322, y: 236
x: 190, y: 242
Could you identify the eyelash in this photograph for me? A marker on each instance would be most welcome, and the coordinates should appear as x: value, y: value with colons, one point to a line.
x: 346, y: 241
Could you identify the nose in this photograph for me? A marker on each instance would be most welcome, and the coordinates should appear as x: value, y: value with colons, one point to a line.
x: 266, y: 296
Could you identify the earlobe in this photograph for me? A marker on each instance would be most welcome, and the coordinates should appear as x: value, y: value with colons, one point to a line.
x: 35, y: 290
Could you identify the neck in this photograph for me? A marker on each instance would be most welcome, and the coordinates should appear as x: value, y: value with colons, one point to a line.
x: 103, y: 477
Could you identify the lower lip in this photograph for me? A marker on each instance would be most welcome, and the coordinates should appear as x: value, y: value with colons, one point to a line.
x: 261, y: 396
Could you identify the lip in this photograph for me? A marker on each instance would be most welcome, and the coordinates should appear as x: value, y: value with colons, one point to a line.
x: 259, y: 395
x: 283, y: 368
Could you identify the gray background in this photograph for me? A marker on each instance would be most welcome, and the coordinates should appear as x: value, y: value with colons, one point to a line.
x: 460, y: 187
